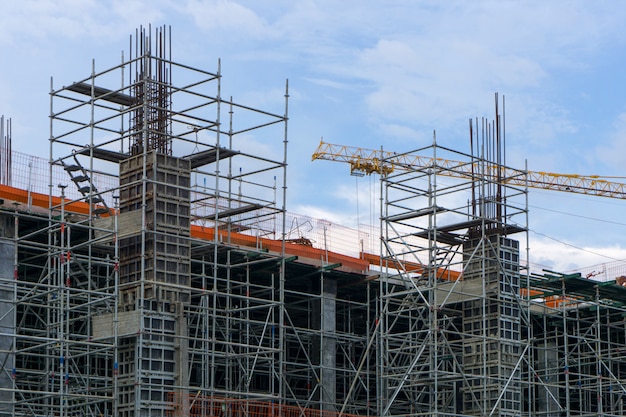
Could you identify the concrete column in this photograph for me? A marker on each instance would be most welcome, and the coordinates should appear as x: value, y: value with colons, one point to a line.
x: 328, y: 363
x: 547, y: 366
x: 182, y: 357
x: 7, y: 325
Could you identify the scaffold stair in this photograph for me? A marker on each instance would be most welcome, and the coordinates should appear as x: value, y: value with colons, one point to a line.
x: 80, y: 176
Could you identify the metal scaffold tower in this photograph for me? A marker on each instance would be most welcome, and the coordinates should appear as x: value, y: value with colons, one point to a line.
x: 466, y: 331
x: 580, y: 366
x: 129, y: 298
x: 156, y: 276
x: 451, y: 339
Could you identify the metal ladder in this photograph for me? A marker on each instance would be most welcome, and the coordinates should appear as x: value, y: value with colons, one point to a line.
x: 85, y: 186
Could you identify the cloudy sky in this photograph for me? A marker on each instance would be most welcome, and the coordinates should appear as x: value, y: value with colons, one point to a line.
x: 371, y: 74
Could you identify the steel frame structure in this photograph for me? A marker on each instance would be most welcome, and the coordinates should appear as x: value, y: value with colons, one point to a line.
x: 156, y: 281
x: 111, y: 334
x: 159, y: 280
x: 578, y: 351
x: 452, y: 344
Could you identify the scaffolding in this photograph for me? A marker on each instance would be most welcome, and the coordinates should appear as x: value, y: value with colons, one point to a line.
x: 158, y: 277
x: 580, y: 367
x: 160, y: 274
x: 451, y: 339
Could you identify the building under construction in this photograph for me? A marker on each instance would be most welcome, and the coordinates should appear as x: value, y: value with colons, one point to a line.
x: 156, y: 277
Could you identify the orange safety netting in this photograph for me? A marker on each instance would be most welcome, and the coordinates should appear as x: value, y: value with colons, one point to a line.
x: 442, y: 273
x: 189, y: 405
x: 201, y: 232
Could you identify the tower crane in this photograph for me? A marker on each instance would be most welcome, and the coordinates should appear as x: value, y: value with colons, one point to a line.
x: 369, y: 161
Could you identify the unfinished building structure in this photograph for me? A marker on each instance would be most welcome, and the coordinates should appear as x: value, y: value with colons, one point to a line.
x: 157, y: 277
x: 131, y: 293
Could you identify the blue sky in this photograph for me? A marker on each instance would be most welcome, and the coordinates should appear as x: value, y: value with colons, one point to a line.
x: 371, y: 74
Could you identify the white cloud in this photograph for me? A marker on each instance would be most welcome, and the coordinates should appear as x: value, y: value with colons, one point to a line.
x: 228, y: 19
x: 325, y: 82
x: 317, y: 212
x: 41, y: 23
x: 612, y: 154
x: 404, y: 132
x: 562, y: 257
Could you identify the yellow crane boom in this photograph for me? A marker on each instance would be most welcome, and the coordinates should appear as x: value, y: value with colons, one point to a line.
x: 369, y: 161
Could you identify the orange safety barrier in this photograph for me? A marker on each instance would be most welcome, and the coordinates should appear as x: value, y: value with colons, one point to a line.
x: 293, y: 249
x: 525, y: 292
x: 41, y: 200
x: 189, y: 405
x: 556, y: 301
x: 200, y: 232
x: 442, y: 273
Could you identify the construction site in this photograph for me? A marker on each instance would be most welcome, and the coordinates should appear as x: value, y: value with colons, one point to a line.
x: 149, y: 268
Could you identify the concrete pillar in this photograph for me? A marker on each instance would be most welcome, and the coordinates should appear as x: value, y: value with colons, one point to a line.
x: 182, y: 358
x: 328, y: 363
x: 547, y: 366
x: 7, y: 324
